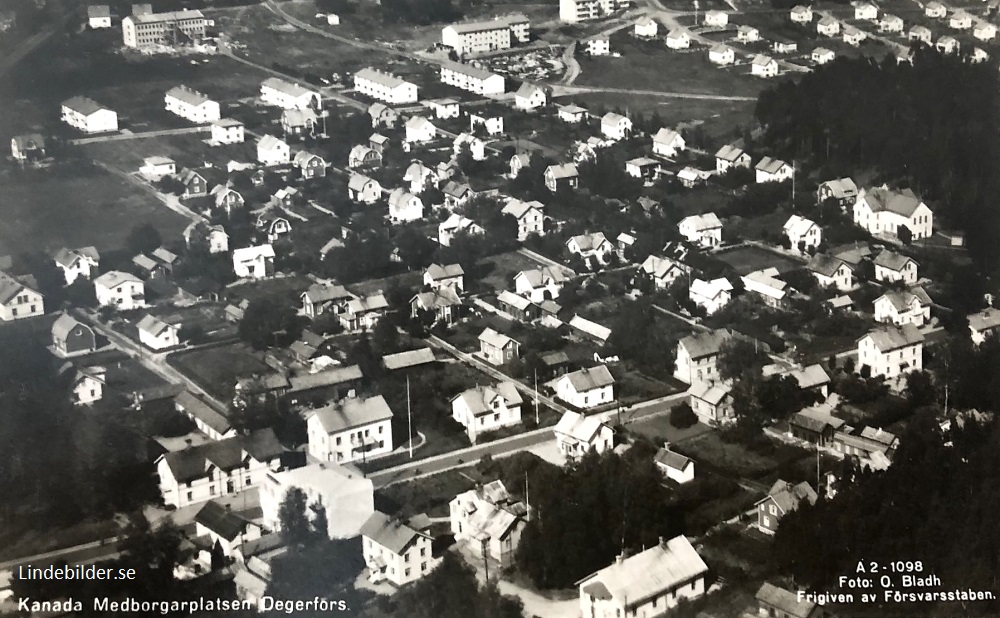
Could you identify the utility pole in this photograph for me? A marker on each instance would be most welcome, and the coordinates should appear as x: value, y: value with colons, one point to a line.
x: 486, y: 560
x: 696, y: 12
x: 409, y: 415
x: 536, y: 399
x: 793, y: 184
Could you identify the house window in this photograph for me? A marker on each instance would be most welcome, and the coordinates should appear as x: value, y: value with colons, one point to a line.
x: 211, y: 490
x: 774, y: 510
x: 423, y: 567
x: 189, y: 496
x: 496, y: 418
x: 406, y: 573
x: 767, y: 521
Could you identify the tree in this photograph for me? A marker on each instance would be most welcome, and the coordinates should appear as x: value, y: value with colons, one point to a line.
x: 920, y: 389
x: 295, y: 524
x: 682, y: 416
x: 143, y: 239
x: 739, y: 358
x: 415, y: 249
x: 904, y: 234
x: 269, y: 322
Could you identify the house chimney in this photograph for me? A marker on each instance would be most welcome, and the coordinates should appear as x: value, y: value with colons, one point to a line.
x: 188, y: 442
x: 663, y: 542
x: 322, y: 466
x: 619, y: 558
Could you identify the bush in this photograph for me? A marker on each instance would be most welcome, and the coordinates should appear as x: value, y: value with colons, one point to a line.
x: 682, y: 416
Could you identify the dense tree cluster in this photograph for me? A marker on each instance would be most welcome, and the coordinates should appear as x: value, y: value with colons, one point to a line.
x: 269, y: 322
x: 635, y: 337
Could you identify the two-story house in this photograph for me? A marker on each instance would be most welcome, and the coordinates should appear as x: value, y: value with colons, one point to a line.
x: 561, y: 176
x: 156, y: 334
x: 496, y: 348
x: 577, y: 434
x: 667, y: 143
x: 121, y: 290
x: 891, y: 266
x: 773, y: 170
x: 711, y: 295
x: 437, y: 276
x: 70, y: 337
x: 351, y: 429
x: 586, y: 388
x: 487, y: 515
x: 530, y: 217
x: 712, y: 401
x: 363, y: 313
x: 697, y: 356
x: 984, y: 324
x: 783, y: 498
x: 487, y: 408
x: 254, y: 262
x: 587, y: 246
x: 891, y: 351
x: 729, y: 157
x: 704, y: 230
x: 830, y: 271
x: 83, y: 262
x: 397, y: 551
x: 897, y: 307
x: 803, y: 234
x: 540, y: 284
x: 882, y: 211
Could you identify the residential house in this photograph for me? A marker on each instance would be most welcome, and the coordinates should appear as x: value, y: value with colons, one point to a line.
x: 384, y: 87
x: 456, y: 193
x: 397, y: 551
x: 773, y: 170
x: 271, y: 224
x: 405, y: 207
x: 572, y: 114
x: 88, y: 116
x: 98, y: 16
x: 455, y: 225
x: 891, y: 266
x: 70, y: 337
x: 774, y: 601
x: 678, y: 38
x: 803, y: 234
x: 576, y: 435
x: 704, y: 230
x: 747, y: 34
x: 211, y: 237
x: 288, y: 95
x: 74, y: 263
x: 674, y: 466
x: 88, y: 384
x: 586, y: 388
x: 419, y: 130
x: 476, y: 146
x: 191, y: 105
x: 361, y: 188
x: 206, y: 418
x: 530, y: 97
x: 496, y: 348
x: 382, y: 116
x: 273, y: 151
x: 437, y: 276
x: 30, y: 147
x: 781, y: 45
x: 960, y: 20
x: 487, y: 517
x: 900, y: 307
x: 831, y: 271
x: 984, y: 31
x: 948, y: 45
x: 891, y: 351
x: 310, y: 165
x: 351, y: 429
x: 346, y: 496
x: 852, y: 36
x: 649, y: 583
x: 842, y: 190
x: 561, y: 176
x: 643, y: 167
x: 364, y: 157
x: 519, y: 308
x: 615, y: 126
x: 890, y: 24
x: 828, y: 26
x: 865, y: 11
x: 487, y: 408
x: 662, y: 271
x: 782, y: 498
x: 801, y: 14
x: 155, y: 168
x: 712, y: 401
x: 121, y: 290
x: 594, y: 245
x: 156, y: 334
x: 540, y: 284
x: 194, y: 183
x: 443, y: 302
x: 226, y: 199
x: 984, y: 324
x: 530, y: 217
x: 228, y: 131
x: 978, y: 55
x: 668, y: 143
x: 717, y: 19
x: 822, y: 55
x: 597, y: 45
x: 443, y: 108
x: 645, y: 28
x: 519, y: 162
x: 323, y: 297
x: 711, y: 295
x: 574, y: 11
x: 697, y: 356
x: 765, y: 285
x: 473, y: 79
x: 378, y: 143
x: 935, y: 9
x: 299, y: 123
x: 364, y: 312
x: 764, y: 66
x: 224, y: 529
x: 313, y: 389
x: 729, y: 157
x: 880, y: 210
x: 218, y: 468
x: 721, y: 55
x: 815, y: 425
x: 254, y: 262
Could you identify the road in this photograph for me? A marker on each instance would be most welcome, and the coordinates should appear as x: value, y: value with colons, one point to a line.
x: 120, y: 137
x: 35, y: 41
x: 80, y: 554
x: 565, y: 91
x: 170, y: 201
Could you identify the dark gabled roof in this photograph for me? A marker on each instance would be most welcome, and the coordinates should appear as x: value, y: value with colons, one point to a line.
x: 221, y: 520
x: 393, y: 534
x: 62, y: 327
x: 411, y: 358
x: 352, y: 412
x: 330, y: 377
x: 785, y: 601
x: 191, y: 463
x: 670, y: 459
x: 193, y: 405
x: 826, y: 265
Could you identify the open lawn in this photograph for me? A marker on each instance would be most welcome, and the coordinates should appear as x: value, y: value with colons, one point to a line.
x: 659, y: 428
x: 75, y: 205
x: 288, y: 288
x: 747, y: 259
x: 710, y: 450
x: 186, y: 150
x: 429, y: 495
x: 208, y: 317
x: 497, y: 272
x: 216, y: 369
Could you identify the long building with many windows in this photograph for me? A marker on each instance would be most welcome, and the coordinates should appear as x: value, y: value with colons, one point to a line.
x: 485, y: 36
x: 573, y: 11
x: 472, y: 78
x: 175, y: 27
x: 384, y: 86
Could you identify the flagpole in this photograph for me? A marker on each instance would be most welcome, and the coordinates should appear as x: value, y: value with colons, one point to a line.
x: 536, y: 397
x: 409, y: 416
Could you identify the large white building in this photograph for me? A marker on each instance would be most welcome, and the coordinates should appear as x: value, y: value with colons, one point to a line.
x: 351, y: 429
x: 472, y: 78
x: 288, y: 95
x: 487, y: 408
x: 173, y: 28
x: 573, y: 11
x: 882, y: 211
x: 191, y: 105
x: 384, y: 87
x: 486, y: 36
x: 347, y: 497
x: 698, y: 355
x: 891, y: 351
x: 88, y: 116
x: 395, y: 550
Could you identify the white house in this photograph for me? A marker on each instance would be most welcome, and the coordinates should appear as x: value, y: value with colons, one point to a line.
x: 211, y: 237
x: 384, y: 87
x: 891, y: 351
x: 891, y: 266
x: 730, y: 156
x: 615, y: 126
x: 721, y: 55
x: 487, y: 515
x: 88, y: 116
x: 801, y: 14
x: 643, y: 167
x: 472, y: 78
x: 598, y: 45
x: 487, y: 408
x: 766, y: 286
x: 351, y: 429
x: 646, y: 28
x: 577, y: 434
x: 712, y: 401
x: 586, y: 388
x: 935, y: 9
x: 530, y: 217
x: 984, y: 324
x: 444, y: 108
x: 364, y: 312
x: 419, y: 130
x: 588, y: 246
x: 891, y: 24
x: 288, y: 95
x: 948, y: 45
x: 678, y: 39
x: 156, y: 334
x: 228, y: 131
x: 397, y: 551
x: 540, y: 284
x: 273, y: 151
x: 217, y: 468
x: 978, y: 55
x: 121, y: 290
x: 717, y: 19
x: 822, y: 55
x: 254, y: 262
x: 881, y: 211
x: 529, y: 97
x: 802, y: 233
x: 88, y: 385
x: 828, y: 26
x: 703, y: 230
x: 649, y: 583
x: 361, y: 188
x: 191, y: 105
x: 852, y: 36
x: 98, y: 16
x: 960, y: 20
x: 405, y: 207
x: 437, y: 276
x: 712, y: 295
x: 667, y: 142
x: 362, y: 156
x: 773, y: 170
x: 457, y: 224
x: 476, y: 146
x: 747, y: 34
x: 830, y: 271
x: 492, y: 123
x: 674, y: 466
x: 83, y: 262
x: 764, y: 66
x: 347, y: 497
x: 900, y: 307
x: 497, y: 348
x: 662, y: 271
x: 865, y: 11
x: 18, y: 300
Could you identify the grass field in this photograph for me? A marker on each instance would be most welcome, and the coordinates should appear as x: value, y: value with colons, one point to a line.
x: 75, y: 205
x: 659, y: 427
x: 284, y: 287
x: 216, y: 369
x: 737, y: 459
x: 429, y: 495
x: 748, y: 259
x: 497, y: 272
x: 185, y: 150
